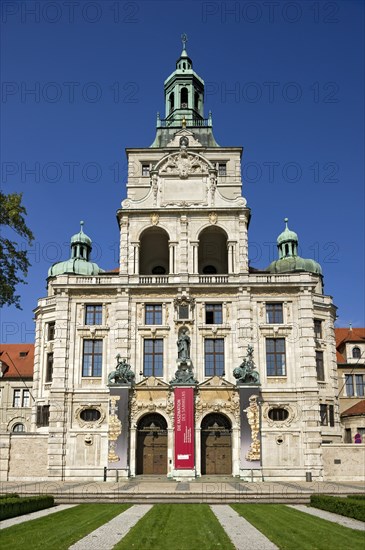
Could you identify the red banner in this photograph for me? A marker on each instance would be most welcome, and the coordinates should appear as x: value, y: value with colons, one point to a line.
x: 184, y: 428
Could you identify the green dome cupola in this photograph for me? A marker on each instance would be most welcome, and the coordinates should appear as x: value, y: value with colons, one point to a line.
x: 79, y: 262
x: 289, y: 261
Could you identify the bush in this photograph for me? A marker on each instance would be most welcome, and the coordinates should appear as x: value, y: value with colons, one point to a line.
x: 18, y: 506
x: 9, y: 495
x: 356, y: 497
x: 345, y: 507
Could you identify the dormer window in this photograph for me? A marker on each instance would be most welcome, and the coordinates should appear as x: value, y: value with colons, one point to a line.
x: 356, y: 353
x: 23, y: 353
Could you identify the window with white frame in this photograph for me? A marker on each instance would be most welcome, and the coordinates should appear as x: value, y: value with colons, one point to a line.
x: 354, y: 384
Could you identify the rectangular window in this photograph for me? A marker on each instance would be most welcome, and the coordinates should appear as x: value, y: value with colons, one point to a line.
x: 213, y: 314
x: 349, y: 383
x: 153, y: 314
x: 50, y: 331
x: 145, y: 169
x: 317, y: 329
x: 323, y: 414
x: 26, y: 398
x: 331, y: 414
x: 17, y: 398
x: 49, y: 367
x: 222, y: 169
x: 42, y: 416
x: 92, y: 358
x: 93, y: 314
x: 153, y: 357
x: 274, y: 313
x: 275, y: 356
x: 359, y: 383
x: 214, y: 356
x: 348, y: 438
x: 320, y: 366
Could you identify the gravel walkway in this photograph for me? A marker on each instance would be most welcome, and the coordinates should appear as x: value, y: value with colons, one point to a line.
x: 109, y: 534
x: 243, y: 535
x: 34, y: 515
x: 330, y: 516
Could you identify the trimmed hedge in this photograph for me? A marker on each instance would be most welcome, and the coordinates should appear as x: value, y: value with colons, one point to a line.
x: 9, y: 495
x: 356, y: 497
x: 18, y: 506
x: 344, y: 507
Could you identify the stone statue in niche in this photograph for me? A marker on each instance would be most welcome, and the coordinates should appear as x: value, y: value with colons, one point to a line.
x: 246, y: 373
x: 183, y: 347
x: 122, y: 374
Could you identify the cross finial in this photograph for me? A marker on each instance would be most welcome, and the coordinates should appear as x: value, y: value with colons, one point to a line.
x: 82, y: 225
x: 184, y: 39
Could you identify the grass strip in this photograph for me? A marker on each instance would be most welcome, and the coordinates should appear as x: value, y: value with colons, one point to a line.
x: 61, y: 530
x: 290, y: 529
x: 177, y: 527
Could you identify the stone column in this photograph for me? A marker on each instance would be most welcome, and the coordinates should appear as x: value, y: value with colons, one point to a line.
x: 135, y: 258
x: 195, y: 245
x: 172, y: 261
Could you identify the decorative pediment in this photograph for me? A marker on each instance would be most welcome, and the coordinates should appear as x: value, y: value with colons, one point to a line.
x: 152, y: 382
x: 216, y: 381
x: 175, y: 142
x: 184, y: 164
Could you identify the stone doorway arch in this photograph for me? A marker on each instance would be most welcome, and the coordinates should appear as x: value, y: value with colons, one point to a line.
x: 216, y: 445
x: 151, y: 451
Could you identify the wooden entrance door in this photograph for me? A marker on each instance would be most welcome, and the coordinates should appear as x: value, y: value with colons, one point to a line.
x: 152, y: 445
x: 216, y: 445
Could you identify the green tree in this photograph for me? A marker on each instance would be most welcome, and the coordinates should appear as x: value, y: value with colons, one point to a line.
x: 14, y: 262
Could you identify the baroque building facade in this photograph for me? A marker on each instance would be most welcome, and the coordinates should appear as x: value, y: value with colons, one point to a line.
x: 138, y: 370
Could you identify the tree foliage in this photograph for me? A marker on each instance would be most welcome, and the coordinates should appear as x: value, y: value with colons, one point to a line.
x: 14, y: 261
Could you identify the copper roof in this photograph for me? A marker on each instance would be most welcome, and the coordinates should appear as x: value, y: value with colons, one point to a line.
x: 17, y: 360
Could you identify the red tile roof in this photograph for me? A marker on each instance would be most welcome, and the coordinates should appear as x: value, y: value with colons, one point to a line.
x: 343, y: 335
x: 17, y: 360
x: 356, y: 410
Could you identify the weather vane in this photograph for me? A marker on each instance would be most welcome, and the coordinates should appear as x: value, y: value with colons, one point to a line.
x: 184, y: 39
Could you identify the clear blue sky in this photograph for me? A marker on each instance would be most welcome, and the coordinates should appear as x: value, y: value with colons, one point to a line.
x: 284, y: 81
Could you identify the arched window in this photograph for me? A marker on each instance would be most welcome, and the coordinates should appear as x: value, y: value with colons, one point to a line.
x: 19, y: 427
x: 356, y: 352
x: 196, y: 101
x: 212, y: 251
x: 184, y: 98
x: 172, y: 101
x: 154, y: 252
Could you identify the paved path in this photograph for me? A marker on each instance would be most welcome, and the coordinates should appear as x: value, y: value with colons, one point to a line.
x: 330, y: 516
x: 243, y: 535
x: 34, y: 515
x: 109, y: 534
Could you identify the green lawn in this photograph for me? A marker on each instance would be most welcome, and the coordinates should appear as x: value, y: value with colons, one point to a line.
x: 177, y: 527
x: 290, y: 529
x: 61, y: 530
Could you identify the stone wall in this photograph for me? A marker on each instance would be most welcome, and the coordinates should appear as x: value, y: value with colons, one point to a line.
x: 28, y: 457
x: 343, y: 462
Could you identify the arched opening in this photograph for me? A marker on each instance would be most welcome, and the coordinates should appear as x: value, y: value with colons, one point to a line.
x: 152, y: 445
x: 216, y: 445
x: 154, y: 252
x: 184, y: 98
x: 212, y: 252
x: 196, y: 101
x: 17, y: 428
x: 172, y: 101
x: 356, y: 353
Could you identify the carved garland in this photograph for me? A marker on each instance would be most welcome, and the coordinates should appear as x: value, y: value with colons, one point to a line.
x: 137, y: 407
x: 232, y: 406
